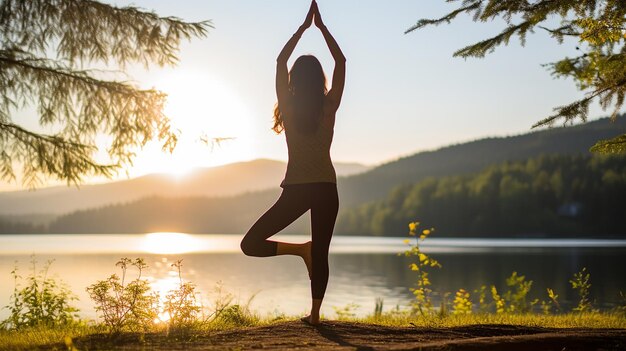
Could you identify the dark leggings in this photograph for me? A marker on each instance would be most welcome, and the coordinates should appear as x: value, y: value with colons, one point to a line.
x: 295, y: 200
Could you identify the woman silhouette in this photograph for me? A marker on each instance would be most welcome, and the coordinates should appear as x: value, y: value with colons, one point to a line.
x: 306, y: 113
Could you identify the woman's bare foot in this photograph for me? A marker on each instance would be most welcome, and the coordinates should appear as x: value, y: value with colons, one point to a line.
x: 308, y: 258
x: 311, y: 320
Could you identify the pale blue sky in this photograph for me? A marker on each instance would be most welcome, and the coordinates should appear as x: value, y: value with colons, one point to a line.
x: 404, y: 93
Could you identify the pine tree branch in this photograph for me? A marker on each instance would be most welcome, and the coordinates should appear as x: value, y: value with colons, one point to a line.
x: 51, y: 155
x: 85, y: 105
x: 75, y: 102
x: 89, y: 31
x: 484, y: 47
x: 447, y: 18
x: 598, y: 24
x: 54, y: 68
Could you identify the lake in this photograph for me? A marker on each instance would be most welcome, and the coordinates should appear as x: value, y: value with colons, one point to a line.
x: 362, y: 268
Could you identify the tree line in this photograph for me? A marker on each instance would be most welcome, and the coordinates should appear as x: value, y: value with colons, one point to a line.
x: 556, y: 196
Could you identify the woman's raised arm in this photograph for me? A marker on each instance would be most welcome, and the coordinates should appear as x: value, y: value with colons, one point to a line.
x: 282, y: 72
x: 339, y: 74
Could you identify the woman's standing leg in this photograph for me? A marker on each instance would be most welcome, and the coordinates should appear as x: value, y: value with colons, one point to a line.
x: 324, y: 208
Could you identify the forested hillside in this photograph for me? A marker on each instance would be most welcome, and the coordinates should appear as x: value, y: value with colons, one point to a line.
x: 474, y: 156
x: 547, y: 196
x: 556, y: 196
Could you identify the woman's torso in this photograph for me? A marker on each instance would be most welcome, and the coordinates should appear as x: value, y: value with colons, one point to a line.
x: 309, y: 153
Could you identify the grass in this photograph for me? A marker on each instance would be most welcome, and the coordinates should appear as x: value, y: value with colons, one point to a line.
x: 30, y: 338
x: 570, y: 320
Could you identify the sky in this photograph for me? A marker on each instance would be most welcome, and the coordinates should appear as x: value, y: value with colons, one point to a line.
x: 404, y: 93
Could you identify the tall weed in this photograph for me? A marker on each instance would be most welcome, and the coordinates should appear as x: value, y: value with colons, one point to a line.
x: 422, y: 292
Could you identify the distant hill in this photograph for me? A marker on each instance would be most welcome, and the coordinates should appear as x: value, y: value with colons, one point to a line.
x: 473, y: 156
x: 234, y: 214
x: 228, y: 180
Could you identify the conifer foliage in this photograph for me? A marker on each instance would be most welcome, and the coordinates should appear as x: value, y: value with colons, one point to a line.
x: 46, y: 50
x: 598, y: 25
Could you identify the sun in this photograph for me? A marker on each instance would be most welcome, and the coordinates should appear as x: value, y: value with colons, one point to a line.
x: 211, y: 119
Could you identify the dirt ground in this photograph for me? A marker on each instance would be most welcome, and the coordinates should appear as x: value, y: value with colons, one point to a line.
x: 335, y: 335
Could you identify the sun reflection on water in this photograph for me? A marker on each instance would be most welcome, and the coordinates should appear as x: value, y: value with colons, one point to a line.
x: 171, y: 243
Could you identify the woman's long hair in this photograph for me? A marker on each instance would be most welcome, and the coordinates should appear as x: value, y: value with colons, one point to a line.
x: 307, y: 85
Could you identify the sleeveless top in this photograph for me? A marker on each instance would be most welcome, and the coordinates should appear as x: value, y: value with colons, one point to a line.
x: 309, y: 154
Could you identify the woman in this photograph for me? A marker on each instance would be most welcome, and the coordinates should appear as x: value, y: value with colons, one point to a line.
x: 306, y: 113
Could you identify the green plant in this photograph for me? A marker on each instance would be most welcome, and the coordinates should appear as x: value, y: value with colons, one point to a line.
x: 483, y: 306
x: 622, y: 307
x: 444, y: 307
x: 235, y: 316
x: 125, y: 306
x: 498, y: 300
x: 462, y: 303
x: 546, y: 306
x: 181, y: 306
x: 378, y: 309
x: 42, y: 302
x: 346, y: 312
x: 518, y: 291
x: 581, y: 283
x: 422, y: 292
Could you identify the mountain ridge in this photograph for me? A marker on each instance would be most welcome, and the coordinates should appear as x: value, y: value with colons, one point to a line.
x: 227, y: 180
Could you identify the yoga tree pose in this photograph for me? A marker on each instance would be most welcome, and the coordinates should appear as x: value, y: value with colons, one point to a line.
x: 306, y: 113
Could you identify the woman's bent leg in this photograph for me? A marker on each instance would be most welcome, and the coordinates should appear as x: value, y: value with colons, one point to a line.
x: 289, y: 206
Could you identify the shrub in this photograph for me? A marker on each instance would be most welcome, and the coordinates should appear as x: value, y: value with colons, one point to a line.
x: 581, y: 283
x: 235, y: 316
x: 546, y: 307
x: 498, y: 300
x: 462, y: 303
x: 518, y: 291
x: 483, y: 306
x: 125, y: 306
x: 181, y: 305
x: 43, y: 301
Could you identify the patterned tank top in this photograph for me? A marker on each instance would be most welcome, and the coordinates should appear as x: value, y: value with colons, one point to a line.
x: 309, y: 154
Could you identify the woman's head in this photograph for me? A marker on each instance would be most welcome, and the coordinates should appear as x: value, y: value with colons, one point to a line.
x: 307, y: 84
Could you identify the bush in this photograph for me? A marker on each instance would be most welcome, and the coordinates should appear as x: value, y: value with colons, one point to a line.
x: 43, y: 302
x: 516, y: 296
x: 125, y: 306
x: 235, y: 316
x: 181, y: 305
x: 581, y: 283
x: 462, y: 303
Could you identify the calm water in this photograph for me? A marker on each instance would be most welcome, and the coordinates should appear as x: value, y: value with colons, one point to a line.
x: 362, y: 268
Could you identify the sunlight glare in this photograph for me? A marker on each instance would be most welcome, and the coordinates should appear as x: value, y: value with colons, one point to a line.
x: 201, y: 109
x: 170, y: 243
